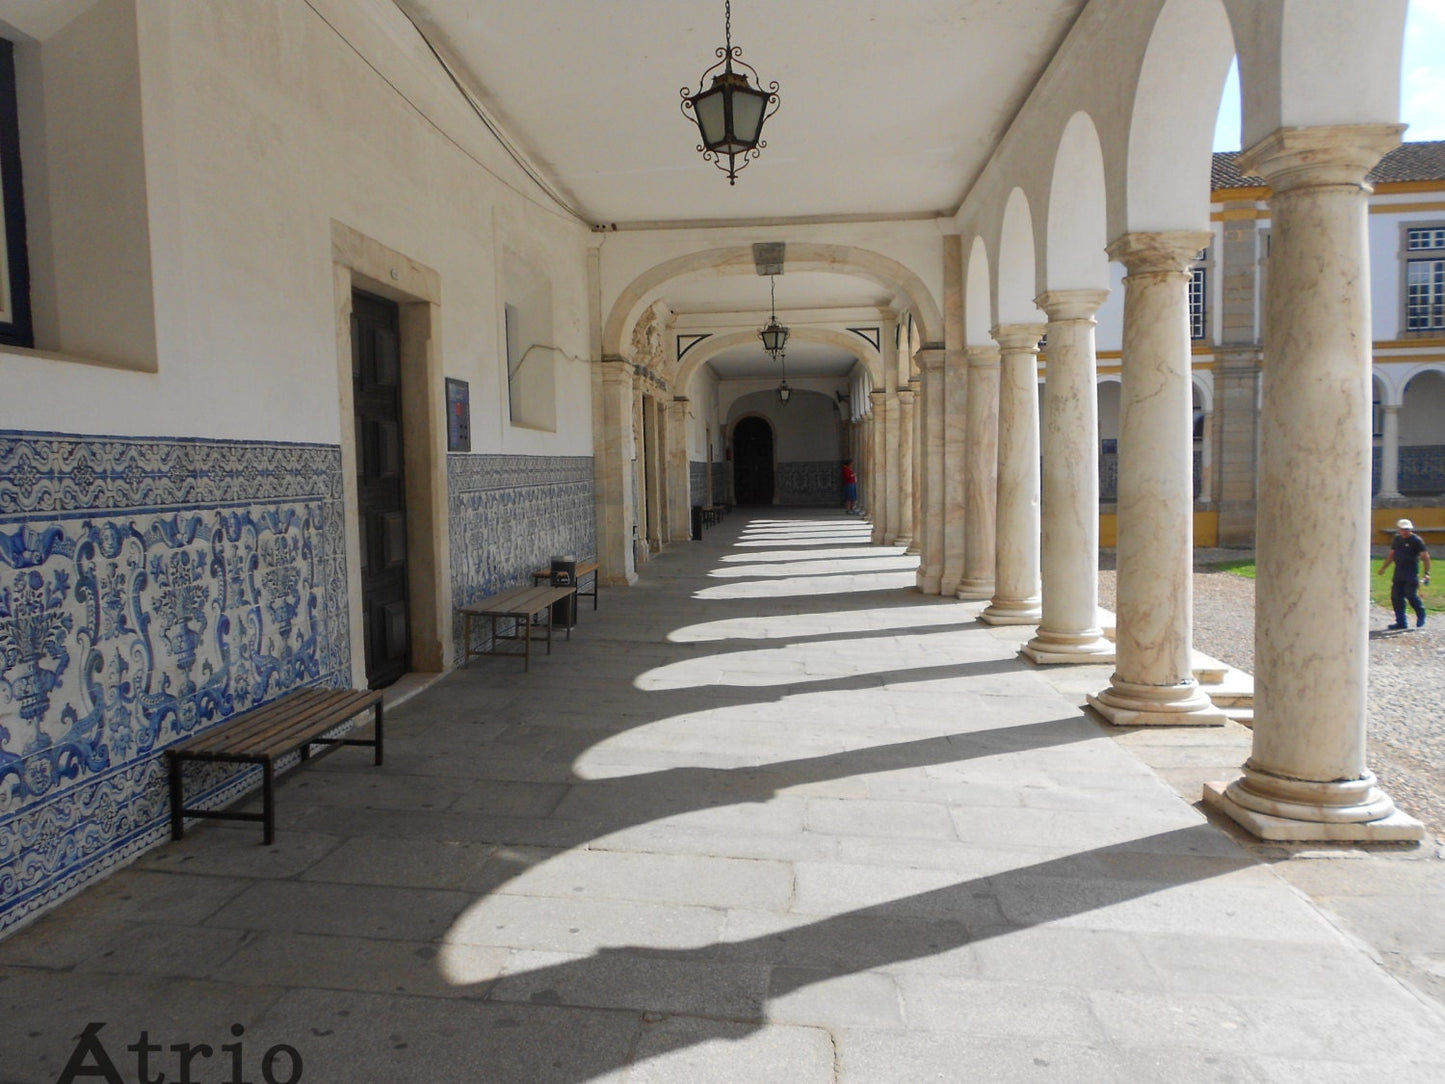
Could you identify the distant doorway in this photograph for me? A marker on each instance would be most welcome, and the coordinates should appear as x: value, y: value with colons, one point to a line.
x: 753, y: 461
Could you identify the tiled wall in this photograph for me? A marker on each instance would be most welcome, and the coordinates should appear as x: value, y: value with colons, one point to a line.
x: 509, y: 514
x: 149, y: 588
x: 812, y: 484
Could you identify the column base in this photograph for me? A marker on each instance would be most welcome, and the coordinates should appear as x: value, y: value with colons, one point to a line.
x: 1024, y: 611
x: 913, y: 549
x: 1125, y: 703
x: 902, y: 540
x: 928, y: 582
x: 974, y: 590
x: 1049, y: 647
x: 1394, y: 827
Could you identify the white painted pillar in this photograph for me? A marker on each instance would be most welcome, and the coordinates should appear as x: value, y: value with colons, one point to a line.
x: 679, y: 516
x: 1069, y: 630
x: 616, y: 493
x: 1016, y: 557
x: 1153, y: 682
x: 930, y: 569
x: 878, y: 503
x: 1306, y: 777
x: 1390, y: 451
x: 980, y: 482
x: 906, y: 528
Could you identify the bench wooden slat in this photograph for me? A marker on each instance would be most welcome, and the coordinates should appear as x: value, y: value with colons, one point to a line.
x: 520, y: 605
x: 290, y: 724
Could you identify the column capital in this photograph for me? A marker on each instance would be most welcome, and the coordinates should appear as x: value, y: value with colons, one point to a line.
x: 982, y: 357
x: 1391, y: 408
x: 878, y: 396
x: 955, y: 361
x: 1018, y: 338
x: 1338, y: 154
x: 930, y: 359
x: 1064, y: 305
x: 616, y: 370
x: 1164, y: 251
x: 906, y: 394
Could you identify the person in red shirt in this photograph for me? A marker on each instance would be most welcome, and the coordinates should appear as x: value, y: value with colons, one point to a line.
x: 850, y: 488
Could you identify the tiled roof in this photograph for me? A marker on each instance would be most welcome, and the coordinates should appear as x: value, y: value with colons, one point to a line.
x: 1408, y: 162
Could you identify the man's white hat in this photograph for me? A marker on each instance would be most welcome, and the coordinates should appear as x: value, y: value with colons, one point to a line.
x: 1405, y: 525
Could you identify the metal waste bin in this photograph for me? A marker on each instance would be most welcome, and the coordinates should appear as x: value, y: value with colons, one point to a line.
x: 697, y: 523
x: 564, y: 574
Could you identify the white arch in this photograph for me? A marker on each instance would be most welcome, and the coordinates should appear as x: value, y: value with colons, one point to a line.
x: 1017, y: 285
x: 1416, y: 370
x: 1176, y: 103
x: 1077, y: 212
x: 1204, y: 385
x: 978, y: 296
x: 1319, y: 62
x: 802, y: 256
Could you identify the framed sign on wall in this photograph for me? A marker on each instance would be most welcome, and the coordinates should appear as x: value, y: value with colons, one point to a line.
x: 459, y: 416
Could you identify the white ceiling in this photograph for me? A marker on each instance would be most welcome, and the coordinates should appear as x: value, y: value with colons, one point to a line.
x: 802, y: 360
x: 889, y: 108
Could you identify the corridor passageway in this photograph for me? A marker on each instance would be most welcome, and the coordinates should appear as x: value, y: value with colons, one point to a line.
x: 770, y: 815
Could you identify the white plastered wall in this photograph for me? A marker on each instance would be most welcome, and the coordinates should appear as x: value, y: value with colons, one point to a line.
x: 241, y: 206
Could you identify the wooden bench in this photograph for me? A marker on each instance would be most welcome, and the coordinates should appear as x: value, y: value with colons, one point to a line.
x: 584, y: 569
x: 712, y: 514
x: 523, y: 606
x: 293, y: 723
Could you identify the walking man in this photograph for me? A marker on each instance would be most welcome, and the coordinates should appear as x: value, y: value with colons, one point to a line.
x: 1407, y: 550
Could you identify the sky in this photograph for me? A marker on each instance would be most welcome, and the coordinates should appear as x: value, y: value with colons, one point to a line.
x: 1422, y: 99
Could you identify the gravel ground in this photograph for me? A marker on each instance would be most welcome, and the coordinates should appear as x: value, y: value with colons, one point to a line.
x: 1407, y: 679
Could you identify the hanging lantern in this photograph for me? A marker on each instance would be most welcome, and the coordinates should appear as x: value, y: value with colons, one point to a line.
x: 730, y: 113
x: 774, y: 335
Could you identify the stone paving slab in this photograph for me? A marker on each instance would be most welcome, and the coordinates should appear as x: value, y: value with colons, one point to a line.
x: 793, y: 823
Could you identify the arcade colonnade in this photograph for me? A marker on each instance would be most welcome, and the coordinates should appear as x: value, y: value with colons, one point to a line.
x: 997, y: 493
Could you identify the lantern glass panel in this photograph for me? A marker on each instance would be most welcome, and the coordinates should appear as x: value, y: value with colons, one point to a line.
x: 748, y: 108
x: 711, y: 118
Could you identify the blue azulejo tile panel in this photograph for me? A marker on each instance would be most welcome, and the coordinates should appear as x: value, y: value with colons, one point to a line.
x: 509, y: 514
x: 697, y: 482
x: 809, y: 484
x: 149, y: 588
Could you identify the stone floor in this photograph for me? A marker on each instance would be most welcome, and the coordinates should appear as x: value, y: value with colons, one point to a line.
x: 769, y: 816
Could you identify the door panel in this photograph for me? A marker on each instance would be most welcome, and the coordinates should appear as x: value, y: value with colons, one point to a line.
x: 381, y: 489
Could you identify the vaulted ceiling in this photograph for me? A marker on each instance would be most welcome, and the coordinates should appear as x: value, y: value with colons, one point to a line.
x: 889, y: 109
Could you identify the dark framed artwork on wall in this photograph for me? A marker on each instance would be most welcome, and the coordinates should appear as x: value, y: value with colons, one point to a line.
x: 459, y: 416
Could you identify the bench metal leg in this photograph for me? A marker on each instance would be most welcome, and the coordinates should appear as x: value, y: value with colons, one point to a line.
x: 378, y: 733
x: 268, y: 799
x: 178, y: 820
x: 527, y: 643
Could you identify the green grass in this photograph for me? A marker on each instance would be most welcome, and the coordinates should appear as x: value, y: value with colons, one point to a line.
x: 1432, y: 594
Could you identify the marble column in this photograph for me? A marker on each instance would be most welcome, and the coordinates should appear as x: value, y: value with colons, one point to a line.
x: 878, y: 505
x: 1206, y: 457
x: 1306, y: 777
x: 930, y: 569
x: 1016, y: 557
x: 1390, y: 451
x: 1153, y: 682
x: 1069, y: 553
x: 905, y: 535
x: 615, y: 491
x: 980, y: 477
x: 679, y: 516
x: 892, y: 469
x: 955, y: 426
x: 916, y: 519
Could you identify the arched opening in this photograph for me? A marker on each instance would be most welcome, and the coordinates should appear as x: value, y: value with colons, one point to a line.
x: 1108, y: 441
x: 1422, y: 434
x: 753, y: 461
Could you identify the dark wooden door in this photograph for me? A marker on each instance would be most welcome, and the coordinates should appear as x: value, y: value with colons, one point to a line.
x: 381, y: 487
x: 753, y: 461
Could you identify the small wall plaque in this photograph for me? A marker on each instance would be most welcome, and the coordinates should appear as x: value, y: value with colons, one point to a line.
x: 459, y: 416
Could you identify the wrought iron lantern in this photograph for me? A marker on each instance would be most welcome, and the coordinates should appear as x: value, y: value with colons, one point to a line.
x: 784, y: 392
x: 730, y: 113
x: 774, y: 335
